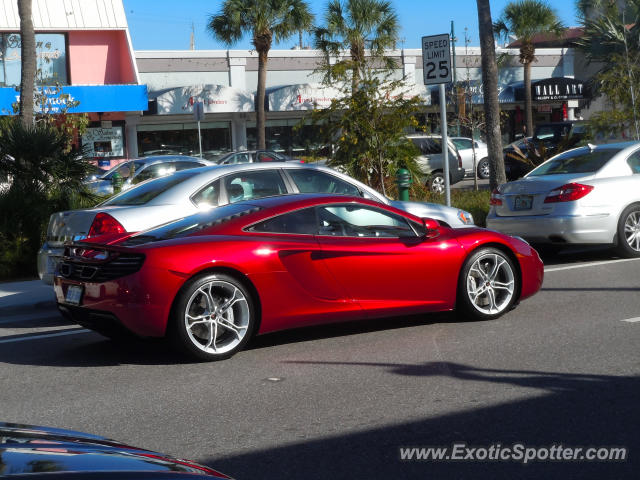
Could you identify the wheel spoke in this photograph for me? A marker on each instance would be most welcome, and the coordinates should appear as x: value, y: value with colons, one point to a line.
x: 508, y: 286
x: 223, y: 322
x: 499, y: 261
x: 492, y: 300
x: 213, y: 334
x: 476, y: 268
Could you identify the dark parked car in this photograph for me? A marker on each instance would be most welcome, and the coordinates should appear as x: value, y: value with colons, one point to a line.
x: 548, y: 139
x: 38, y: 453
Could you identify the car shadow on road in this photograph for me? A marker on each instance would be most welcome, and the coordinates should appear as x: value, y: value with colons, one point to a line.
x: 564, y: 408
x: 89, y: 349
x: 578, y: 253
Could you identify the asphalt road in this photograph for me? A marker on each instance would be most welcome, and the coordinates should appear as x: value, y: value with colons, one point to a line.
x: 339, y: 401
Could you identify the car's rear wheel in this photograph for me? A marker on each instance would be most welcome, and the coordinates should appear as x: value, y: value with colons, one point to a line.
x: 488, y: 285
x: 629, y: 232
x: 483, y: 168
x: 436, y: 183
x: 214, y: 317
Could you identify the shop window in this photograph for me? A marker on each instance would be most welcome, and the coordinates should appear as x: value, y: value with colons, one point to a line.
x: 51, y: 55
x: 182, y: 138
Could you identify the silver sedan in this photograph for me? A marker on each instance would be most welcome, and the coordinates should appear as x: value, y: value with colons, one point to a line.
x: 588, y: 195
x: 186, y: 192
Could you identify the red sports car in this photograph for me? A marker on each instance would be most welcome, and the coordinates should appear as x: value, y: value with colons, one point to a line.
x: 212, y: 280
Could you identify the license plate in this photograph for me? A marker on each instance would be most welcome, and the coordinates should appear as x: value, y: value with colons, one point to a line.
x: 52, y: 263
x: 74, y: 294
x: 523, y: 202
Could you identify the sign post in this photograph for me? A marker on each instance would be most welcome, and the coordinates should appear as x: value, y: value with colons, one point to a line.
x: 198, y: 114
x: 436, y: 68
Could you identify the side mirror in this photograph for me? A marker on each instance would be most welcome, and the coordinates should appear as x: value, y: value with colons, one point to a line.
x: 431, y: 228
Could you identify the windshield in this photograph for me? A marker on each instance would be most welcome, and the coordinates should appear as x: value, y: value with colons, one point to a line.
x: 192, y: 223
x: 582, y: 160
x: 147, y: 191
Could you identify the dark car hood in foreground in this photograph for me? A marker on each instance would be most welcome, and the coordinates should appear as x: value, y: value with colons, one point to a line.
x: 33, y: 452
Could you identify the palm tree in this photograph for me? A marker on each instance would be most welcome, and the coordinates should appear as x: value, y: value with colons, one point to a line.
x: 490, y: 87
x: 357, y: 25
x: 27, y: 62
x: 525, y: 19
x: 265, y: 20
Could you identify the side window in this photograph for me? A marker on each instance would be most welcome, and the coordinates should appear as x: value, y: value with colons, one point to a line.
x: 238, y: 158
x: 208, y: 196
x: 186, y: 165
x: 258, y: 184
x: 155, y: 171
x: 358, y: 221
x: 462, y: 143
x: 266, y: 157
x: 301, y: 222
x: 310, y: 181
x: 634, y: 162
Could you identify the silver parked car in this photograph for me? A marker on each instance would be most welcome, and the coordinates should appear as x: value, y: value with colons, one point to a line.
x: 466, y: 148
x: 141, y: 169
x: 184, y: 193
x: 431, y: 161
x: 588, y: 195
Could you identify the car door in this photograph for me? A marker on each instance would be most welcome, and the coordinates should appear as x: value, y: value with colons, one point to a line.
x: 384, y: 263
x: 297, y: 285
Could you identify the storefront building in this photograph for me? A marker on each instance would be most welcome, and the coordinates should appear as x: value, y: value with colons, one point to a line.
x: 85, y: 64
x: 225, y: 80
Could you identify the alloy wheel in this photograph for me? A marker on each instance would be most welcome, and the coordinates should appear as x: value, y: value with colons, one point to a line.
x: 632, y: 230
x: 217, y: 317
x: 490, y: 284
x: 437, y: 184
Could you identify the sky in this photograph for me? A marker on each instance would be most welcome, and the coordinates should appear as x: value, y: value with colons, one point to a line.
x: 167, y: 24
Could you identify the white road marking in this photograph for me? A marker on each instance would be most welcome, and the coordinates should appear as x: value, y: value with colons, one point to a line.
x: 592, y: 264
x: 631, y: 320
x: 48, y: 335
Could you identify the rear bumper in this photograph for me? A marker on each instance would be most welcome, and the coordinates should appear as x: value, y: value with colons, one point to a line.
x: 456, y: 174
x: 557, y: 229
x: 48, y: 259
x: 140, y: 302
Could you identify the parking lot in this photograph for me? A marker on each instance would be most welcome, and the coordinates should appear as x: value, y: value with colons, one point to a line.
x: 340, y: 401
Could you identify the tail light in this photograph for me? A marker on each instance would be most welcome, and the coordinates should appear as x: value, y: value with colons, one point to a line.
x: 104, y: 223
x: 459, y: 160
x: 568, y: 193
x: 496, y: 197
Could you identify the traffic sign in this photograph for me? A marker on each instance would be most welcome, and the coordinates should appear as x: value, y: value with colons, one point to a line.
x: 436, y: 59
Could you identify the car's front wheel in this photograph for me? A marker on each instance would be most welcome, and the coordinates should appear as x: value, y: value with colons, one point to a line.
x: 629, y: 232
x: 488, y: 285
x: 214, y: 317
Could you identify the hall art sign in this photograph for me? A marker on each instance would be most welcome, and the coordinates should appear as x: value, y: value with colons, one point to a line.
x: 558, y: 89
x: 215, y: 99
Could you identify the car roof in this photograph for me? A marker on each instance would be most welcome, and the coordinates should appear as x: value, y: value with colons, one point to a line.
x: 207, y: 174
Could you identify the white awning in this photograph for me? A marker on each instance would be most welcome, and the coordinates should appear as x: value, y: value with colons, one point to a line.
x: 216, y: 99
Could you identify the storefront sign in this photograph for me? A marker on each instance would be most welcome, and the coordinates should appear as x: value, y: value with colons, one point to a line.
x: 557, y: 89
x: 214, y: 98
x: 83, y: 99
x: 103, y: 142
x: 302, y: 97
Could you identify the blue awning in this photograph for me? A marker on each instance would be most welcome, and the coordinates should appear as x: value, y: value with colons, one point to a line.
x: 90, y: 98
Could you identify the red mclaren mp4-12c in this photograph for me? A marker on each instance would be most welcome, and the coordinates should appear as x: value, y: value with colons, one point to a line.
x: 211, y: 281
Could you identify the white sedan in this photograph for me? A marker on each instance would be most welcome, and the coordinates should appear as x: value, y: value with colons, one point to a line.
x: 187, y: 192
x: 466, y: 147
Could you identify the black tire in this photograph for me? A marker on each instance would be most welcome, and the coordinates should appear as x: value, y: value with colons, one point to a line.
x: 483, y: 168
x: 630, y: 218
x: 194, y: 300
x: 435, y: 183
x: 504, y: 301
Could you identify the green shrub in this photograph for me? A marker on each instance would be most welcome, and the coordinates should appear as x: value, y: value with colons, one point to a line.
x: 42, y: 176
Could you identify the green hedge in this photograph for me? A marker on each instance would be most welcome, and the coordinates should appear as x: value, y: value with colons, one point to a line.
x: 476, y: 203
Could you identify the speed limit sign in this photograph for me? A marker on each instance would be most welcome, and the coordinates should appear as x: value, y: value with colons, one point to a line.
x: 436, y: 59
